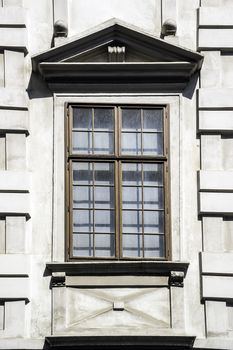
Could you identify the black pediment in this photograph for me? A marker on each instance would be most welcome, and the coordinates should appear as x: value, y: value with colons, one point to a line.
x: 117, y: 57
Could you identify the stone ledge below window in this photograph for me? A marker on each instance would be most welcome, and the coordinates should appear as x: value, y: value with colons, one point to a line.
x: 120, y: 342
x: 174, y: 272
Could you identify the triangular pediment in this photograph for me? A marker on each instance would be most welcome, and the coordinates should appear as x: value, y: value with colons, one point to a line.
x: 116, y: 53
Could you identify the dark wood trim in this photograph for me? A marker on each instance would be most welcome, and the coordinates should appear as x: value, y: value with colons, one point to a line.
x: 118, y: 159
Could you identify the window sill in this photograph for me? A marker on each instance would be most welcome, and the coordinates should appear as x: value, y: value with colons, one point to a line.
x: 176, y: 271
x: 120, y: 342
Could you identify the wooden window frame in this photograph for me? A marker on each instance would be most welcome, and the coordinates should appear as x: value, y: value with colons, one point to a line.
x: 117, y: 159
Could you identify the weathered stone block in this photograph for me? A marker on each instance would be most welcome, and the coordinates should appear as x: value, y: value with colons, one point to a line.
x: 213, y: 16
x: 14, y: 203
x: 211, y: 152
x: 217, y: 287
x: 10, y: 17
x: 15, y: 234
x: 15, y: 318
x: 216, y: 203
x: 216, y: 180
x: 16, y: 151
x: 213, y: 236
x: 217, y: 263
x: 215, y: 38
x: 14, y: 264
x: 216, y: 318
x: 215, y: 98
x: 14, y: 120
x: 14, y: 288
x: 14, y: 181
x: 14, y: 69
x: 216, y: 121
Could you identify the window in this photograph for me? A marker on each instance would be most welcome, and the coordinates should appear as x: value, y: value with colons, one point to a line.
x: 117, y: 182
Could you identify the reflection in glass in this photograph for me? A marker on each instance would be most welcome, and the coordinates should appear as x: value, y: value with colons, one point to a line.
x: 131, y: 119
x: 82, y: 118
x: 132, y: 245
x: 104, y: 221
x: 152, y: 174
x: 82, y: 142
x: 103, y: 143
x: 104, y: 245
x: 131, y: 174
x: 82, y: 173
x: 152, y: 120
x: 132, y: 198
x: 153, y: 198
x: 83, y: 245
x: 153, y: 246
x: 104, y: 197
x: 131, y: 221
x: 82, y: 221
x: 104, y: 173
x: 153, y: 222
x: 131, y: 143
x: 82, y: 197
x: 152, y: 144
x: 104, y: 119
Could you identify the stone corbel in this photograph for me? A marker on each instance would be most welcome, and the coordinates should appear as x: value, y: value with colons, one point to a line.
x: 176, y: 279
x: 58, y: 279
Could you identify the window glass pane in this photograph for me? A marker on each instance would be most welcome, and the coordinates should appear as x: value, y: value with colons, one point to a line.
x: 153, y: 222
x: 131, y: 174
x: 82, y: 142
x: 103, y: 143
x: 104, y: 245
x: 104, y: 173
x: 82, y: 173
x: 104, y: 197
x: 83, y: 245
x: 132, y: 245
x: 82, y: 118
x: 152, y: 144
x: 131, y: 119
x: 132, y: 197
x: 104, y: 221
x: 153, y: 198
x: 82, y: 197
x: 104, y: 119
x: 82, y: 220
x: 153, y: 174
x: 153, y: 246
x: 131, y: 143
x: 131, y: 221
x: 152, y: 119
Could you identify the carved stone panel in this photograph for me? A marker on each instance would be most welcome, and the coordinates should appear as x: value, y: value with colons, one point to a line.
x: 97, y: 309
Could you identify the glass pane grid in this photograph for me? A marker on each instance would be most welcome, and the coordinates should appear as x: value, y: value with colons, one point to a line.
x: 93, y: 209
x: 142, y: 209
x: 142, y: 132
x: 93, y: 131
x: 142, y: 186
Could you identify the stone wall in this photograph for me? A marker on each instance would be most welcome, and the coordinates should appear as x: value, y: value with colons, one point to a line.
x: 32, y: 182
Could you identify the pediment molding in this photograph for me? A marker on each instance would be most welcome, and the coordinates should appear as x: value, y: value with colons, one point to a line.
x: 117, y: 57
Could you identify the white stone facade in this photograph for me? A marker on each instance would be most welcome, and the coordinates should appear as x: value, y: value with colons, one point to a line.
x: 42, y: 296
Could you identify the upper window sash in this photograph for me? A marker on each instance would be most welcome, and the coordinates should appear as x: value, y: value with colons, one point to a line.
x: 116, y: 131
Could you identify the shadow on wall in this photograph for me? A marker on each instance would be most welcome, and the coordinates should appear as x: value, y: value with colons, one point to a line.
x: 190, y: 89
x: 37, y: 87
